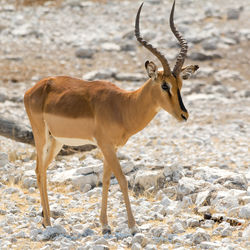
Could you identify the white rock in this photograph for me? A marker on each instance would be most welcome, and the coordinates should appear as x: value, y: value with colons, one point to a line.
x: 29, y: 182
x: 22, y: 30
x: 11, y: 190
x: 101, y: 74
x: 210, y: 44
x: 226, y: 74
x: 245, y: 212
x: 209, y: 245
x: 136, y: 246
x: 234, y: 181
x: 21, y: 234
x: 3, y: 159
x: 8, y: 229
x: 224, y: 229
x: 101, y: 241
x: 87, y: 232
x: 86, y: 188
x: 140, y: 238
x: 201, y: 198
x: 151, y: 247
x: 170, y: 191
x: 51, y: 232
x: 2, y: 212
x: 88, y: 170
x: 224, y: 200
x: 178, y: 228
x: 34, y: 232
x: 147, y: 179
x: 234, y: 211
x: 205, y: 72
x: 188, y: 186
x: 186, y: 202
x: 199, y: 236
x: 46, y: 247
x: 82, y: 180
x: 32, y: 190
x: 173, y: 172
x: 192, y: 222
x: 100, y: 247
x: 128, y: 167
x: 166, y: 201
x: 244, y: 200
x: 227, y: 231
x: 246, y: 233
x: 157, y: 231
x: 110, y: 47
x: 130, y: 77
x: 84, y: 53
x: 233, y: 14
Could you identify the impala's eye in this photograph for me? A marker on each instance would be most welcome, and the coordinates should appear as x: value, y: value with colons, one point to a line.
x: 165, y: 86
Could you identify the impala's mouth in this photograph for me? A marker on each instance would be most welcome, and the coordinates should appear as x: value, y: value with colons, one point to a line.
x: 184, y: 118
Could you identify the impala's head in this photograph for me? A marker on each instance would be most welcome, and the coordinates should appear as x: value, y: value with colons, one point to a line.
x: 167, y: 84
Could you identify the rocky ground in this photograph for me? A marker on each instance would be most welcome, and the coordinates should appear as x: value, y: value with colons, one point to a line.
x: 189, y: 183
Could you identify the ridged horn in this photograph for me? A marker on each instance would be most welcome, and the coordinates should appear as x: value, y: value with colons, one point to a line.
x: 184, y: 47
x: 161, y: 57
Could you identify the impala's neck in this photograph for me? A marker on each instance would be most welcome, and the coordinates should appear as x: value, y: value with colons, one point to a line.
x: 141, y: 108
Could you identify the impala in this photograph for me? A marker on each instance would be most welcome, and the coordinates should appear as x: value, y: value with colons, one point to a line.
x: 66, y: 110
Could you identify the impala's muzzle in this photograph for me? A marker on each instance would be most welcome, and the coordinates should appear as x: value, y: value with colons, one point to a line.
x: 184, y: 116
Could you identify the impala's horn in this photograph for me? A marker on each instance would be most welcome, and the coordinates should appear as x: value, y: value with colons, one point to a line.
x: 184, y: 47
x: 161, y: 57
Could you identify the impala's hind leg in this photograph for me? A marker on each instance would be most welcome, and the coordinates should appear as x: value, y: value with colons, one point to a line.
x: 105, y: 188
x: 47, y: 148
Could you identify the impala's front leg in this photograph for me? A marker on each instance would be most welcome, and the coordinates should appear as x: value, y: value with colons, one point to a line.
x: 114, y: 165
x: 105, y: 188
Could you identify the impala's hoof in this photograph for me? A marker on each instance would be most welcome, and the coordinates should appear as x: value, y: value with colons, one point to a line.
x: 106, y: 229
x: 134, y: 230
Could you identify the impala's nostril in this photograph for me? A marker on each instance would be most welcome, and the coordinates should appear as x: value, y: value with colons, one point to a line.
x: 184, y: 118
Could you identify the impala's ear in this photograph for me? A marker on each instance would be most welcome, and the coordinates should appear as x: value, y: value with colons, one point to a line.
x: 151, y: 69
x: 188, y: 71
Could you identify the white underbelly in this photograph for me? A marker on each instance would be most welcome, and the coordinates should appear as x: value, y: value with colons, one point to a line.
x: 74, y: 141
